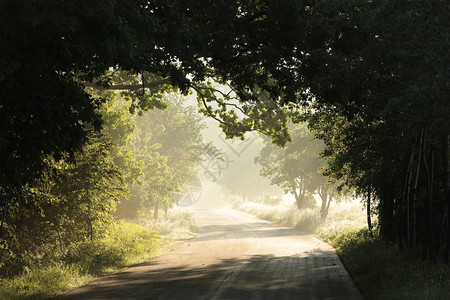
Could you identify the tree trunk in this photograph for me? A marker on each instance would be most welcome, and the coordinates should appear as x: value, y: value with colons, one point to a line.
x: 330, y: 197
x: 155, y: 211
x: 410, y: 207
x: 298, y: 201
x: 326, y: 200
x: 369, y: 219
x: 323, y: 207
x: 2, y: 221
x: 298, y: 196
x: 407, y: 224
x: 58, y: 232
x: 166, y: 208
x: 386, y: 212
x: 447, y: 193
x: 416, y: 184
x: 428, y: 250
x: 89, y: 223
x: 3, y: 209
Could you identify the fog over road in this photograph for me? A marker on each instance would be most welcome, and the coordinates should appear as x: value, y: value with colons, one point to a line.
x: 234, y: 256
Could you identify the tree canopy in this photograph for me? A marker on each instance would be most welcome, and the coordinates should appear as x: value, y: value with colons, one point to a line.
x: 370, y: 77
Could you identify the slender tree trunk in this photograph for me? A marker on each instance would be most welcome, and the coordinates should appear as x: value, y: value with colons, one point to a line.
x: 298, y: 195
x: 447, y: 193
x: 369, y: 219
x: 58, y: 232
x: 407, y: 200
x: 166, y: 208
x: 89, y: 223
x: 386, y: 215
x: 324, y: 196
x: 3, y: 209
x: 330, y: 197
x: 428, y: 224
x: 323, y: 207
x: 298, y: 200
x: 411, y: 210
x: 416, y: 184
x: 2, y: 222
x: 302, y: 194
x: 155, y: 211
x: 434, y: 243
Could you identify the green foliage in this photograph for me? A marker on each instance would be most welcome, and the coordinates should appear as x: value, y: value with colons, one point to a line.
x: 167, y: 145
x: 371, y: 78
x: 382, y: 112
x: 296, y: 168
x: 125, y: 244
x: 73, y: 201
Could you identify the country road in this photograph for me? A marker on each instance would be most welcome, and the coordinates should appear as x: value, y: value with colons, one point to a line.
x: 234, y: 256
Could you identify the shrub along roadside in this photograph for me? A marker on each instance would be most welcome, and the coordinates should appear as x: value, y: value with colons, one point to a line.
x: 125, y: 244
x: 379, y: 270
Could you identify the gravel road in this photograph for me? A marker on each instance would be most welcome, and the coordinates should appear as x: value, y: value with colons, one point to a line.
x: 234, y: 256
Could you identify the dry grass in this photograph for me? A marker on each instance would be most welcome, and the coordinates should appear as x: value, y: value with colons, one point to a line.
x: 342, y: 217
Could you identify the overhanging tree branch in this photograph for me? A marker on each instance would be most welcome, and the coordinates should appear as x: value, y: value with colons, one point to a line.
x: 128, y: 87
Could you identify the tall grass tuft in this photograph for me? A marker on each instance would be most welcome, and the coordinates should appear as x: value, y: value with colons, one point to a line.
x: 178, y: 224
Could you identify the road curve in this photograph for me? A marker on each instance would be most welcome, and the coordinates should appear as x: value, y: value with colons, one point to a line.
x: 234, y: 256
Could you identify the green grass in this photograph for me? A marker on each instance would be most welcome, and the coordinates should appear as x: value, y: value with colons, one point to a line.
x: 40, y: 283
x: 126, y: 243
x: 380, y: 271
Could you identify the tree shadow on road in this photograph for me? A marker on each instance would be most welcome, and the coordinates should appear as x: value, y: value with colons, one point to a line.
x: 244, y: 231
x: 316, y: 275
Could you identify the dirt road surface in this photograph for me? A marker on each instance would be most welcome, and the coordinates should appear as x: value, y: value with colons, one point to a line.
x: 234, y: 256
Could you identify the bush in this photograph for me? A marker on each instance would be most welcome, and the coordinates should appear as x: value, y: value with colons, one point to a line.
x: 308, y: 220
x: 124, y: 243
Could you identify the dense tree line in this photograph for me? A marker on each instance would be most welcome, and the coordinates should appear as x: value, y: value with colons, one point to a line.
x: 382, y: 111
x: 370, y: 77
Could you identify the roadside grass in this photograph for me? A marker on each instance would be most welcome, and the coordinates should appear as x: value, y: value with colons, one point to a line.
x: 125, y: 244
x: 178, y: 224
x: 340, y: 218
x: 380, y: 270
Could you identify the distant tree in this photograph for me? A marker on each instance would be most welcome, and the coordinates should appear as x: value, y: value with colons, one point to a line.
x: 295, y: 168
x: 168, y: 147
